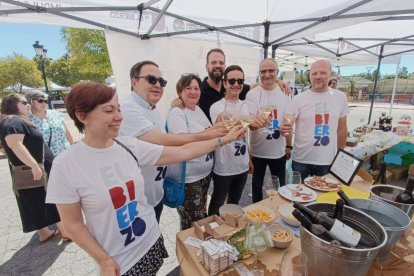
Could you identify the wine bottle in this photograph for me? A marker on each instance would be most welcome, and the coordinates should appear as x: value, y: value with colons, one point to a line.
x: 339, y: 209
x: 337, y: 229
x: 346, y: 199
x: 406, y: 197
x: 316, y: 229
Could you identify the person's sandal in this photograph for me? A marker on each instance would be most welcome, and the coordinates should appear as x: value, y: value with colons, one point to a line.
x: 55, y: 232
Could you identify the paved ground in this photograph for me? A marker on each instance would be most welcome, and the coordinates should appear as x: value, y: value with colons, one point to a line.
x: 21, y: 254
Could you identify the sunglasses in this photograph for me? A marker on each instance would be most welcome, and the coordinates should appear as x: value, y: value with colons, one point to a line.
x: 24, y: 102
x: 189, y: 74
x: 153, y: 80
x: 270, y: 71
x: 233, y: 81
x: 41, y: 101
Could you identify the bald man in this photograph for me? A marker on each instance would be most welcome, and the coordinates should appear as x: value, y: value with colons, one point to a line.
x: 320, y: 128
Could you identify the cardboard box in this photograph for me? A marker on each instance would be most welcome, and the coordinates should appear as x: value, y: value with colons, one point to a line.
x: 235, y: 221
x: 398, y: 172
x: 204, y: 228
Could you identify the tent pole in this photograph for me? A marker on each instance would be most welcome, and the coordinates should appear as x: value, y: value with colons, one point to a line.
x: 266, y: 44
x: 274, y: 48
x: 395, y: 85
x: 375, y: 83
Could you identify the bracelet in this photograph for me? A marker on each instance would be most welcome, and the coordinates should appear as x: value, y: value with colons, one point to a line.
x: 289, y: 147
x: 219, y: 142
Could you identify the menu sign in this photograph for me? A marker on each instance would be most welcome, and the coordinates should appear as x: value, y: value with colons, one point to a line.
x: 345, y: 166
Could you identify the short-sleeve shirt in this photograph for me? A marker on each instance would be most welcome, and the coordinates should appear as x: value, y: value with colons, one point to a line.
x: 232, y: 158
x: 317, y: 125
x: 177, y: 121
x: 53, y: 129
x: 268, y: 145
x: 140, y: 118
x: 109, y: 185
x: 33, y: 139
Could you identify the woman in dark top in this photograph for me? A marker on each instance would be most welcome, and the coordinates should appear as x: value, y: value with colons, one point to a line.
x: 24, y: 145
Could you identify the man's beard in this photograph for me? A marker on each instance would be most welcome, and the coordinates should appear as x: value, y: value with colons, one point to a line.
x: 216, y: 78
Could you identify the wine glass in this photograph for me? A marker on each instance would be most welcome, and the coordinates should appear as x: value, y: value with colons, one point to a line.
x: 294, y: 178
x: 256, y: 243
x: 272, y: 186
x: 290, y: 118
x: 294, y: 263
x: 229, y: 119
x: 267, y: 106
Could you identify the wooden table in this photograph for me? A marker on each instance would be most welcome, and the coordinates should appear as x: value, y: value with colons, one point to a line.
x: 271, y: 258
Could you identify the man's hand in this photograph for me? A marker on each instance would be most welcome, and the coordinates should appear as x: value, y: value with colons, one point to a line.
x: 284, y: 86
x: 109, y: 267
x: 251, y: 167
x: 234, y: 134
x: 286, y: 129
x: 177, y: 102
x: 260, y: 121
x: 288, y: 153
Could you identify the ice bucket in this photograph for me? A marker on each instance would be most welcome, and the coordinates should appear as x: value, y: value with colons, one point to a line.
x: 394, y: 221
x: 327, y: 259
x: 388, y: 193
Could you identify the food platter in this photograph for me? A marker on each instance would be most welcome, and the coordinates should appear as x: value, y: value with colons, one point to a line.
x: 321, y: 183
x: 290, y: 192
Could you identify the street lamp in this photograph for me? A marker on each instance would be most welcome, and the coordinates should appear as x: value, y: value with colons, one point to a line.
x: 41, y: 53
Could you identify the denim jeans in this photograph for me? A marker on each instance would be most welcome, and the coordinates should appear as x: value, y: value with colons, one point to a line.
x: 309, y: 169
x: 231, y: 185
x: 277, y: 167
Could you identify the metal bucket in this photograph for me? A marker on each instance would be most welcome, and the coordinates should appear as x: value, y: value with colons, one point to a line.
x: 327, y: 259
x: 388, y: 193
x: 394, y: 221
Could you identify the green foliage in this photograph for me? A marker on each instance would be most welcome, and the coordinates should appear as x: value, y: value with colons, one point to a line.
x: 87, y: 57
x: 403, y: 74
x: 351, y: 87
x: 17, y: 69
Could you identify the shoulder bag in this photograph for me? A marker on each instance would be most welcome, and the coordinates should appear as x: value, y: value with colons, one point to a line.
x: 174, y: 191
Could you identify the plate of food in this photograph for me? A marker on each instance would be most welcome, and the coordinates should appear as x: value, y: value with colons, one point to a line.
x: 321, y: 183
x: 259, y: 214
x: 299, y: 194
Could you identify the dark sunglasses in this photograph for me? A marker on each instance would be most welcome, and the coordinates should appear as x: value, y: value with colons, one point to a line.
x: 41, y: 100
x: 153, y: 80
x: 24, y: 102
x: 233, y: 81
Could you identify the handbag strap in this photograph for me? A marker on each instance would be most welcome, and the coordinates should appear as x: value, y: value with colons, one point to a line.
x: 50, y: 137
x: 184, y: 166
x: 128, y: 150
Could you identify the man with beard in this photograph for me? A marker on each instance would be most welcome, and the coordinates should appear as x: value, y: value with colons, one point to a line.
x: 268, y: 147
x: 212, y: 88
x: 320, y: 128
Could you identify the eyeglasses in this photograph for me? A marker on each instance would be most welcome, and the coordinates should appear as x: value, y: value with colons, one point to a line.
x: 24, y: 102
x: 189, y: 74
x: 270, y: 71
x: 41, y: 101
x: 233, y: 81
x: 153, y: 80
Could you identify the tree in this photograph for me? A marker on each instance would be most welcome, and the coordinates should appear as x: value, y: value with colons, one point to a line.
x: 352, y: 87
x: 18, y: 70
x: 61, y: 71
x: 374, y: 74
x: 403, y: 74
x: 88, y: 57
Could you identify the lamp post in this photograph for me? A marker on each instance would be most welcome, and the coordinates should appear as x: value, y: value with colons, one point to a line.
x: 41, y: 53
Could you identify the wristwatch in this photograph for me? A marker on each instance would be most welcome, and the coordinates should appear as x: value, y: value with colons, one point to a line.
x: 289, y: 147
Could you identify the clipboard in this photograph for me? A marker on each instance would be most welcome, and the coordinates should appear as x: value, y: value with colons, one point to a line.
x: 345, y: 166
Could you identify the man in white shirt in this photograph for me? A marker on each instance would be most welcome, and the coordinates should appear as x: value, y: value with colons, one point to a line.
x: 143, y: 121
x: 268, y: 147
x: 320, y: 128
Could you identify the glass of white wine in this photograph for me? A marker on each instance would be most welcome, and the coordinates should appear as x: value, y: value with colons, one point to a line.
x: 290, y: 118
x: 272, y: 185
x: 229, y: 119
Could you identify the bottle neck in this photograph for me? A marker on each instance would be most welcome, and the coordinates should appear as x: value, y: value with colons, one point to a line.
x: 410, y: 185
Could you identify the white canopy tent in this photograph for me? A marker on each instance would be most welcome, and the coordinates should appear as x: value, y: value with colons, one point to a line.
x: 349, y: 32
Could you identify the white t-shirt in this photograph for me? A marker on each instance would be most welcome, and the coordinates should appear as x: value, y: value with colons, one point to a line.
x: 110, y: 188
x: 140, y: 118
x: 316, y: 125
x: 232, y: 158
x: 263, y: 145
x: 197, y: 168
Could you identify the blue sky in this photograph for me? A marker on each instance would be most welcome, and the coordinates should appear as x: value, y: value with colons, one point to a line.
x: 19, y: 38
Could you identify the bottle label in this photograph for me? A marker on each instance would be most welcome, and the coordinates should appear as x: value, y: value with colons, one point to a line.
x: 344, y: 233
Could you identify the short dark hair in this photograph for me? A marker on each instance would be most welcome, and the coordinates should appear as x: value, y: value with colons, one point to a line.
x: 84, y: 97
x: 232, y: 68
x: 331, y: 80
x: 215, y: 50
x: 136, y: 69
x: 185, y: 81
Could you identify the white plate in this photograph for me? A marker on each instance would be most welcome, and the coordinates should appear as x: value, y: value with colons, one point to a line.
x: 288, y: 190
x: 327, y: 180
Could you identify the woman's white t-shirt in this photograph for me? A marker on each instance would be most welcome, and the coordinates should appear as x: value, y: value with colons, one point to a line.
x: 197, y: 121
x: 110, y: 188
